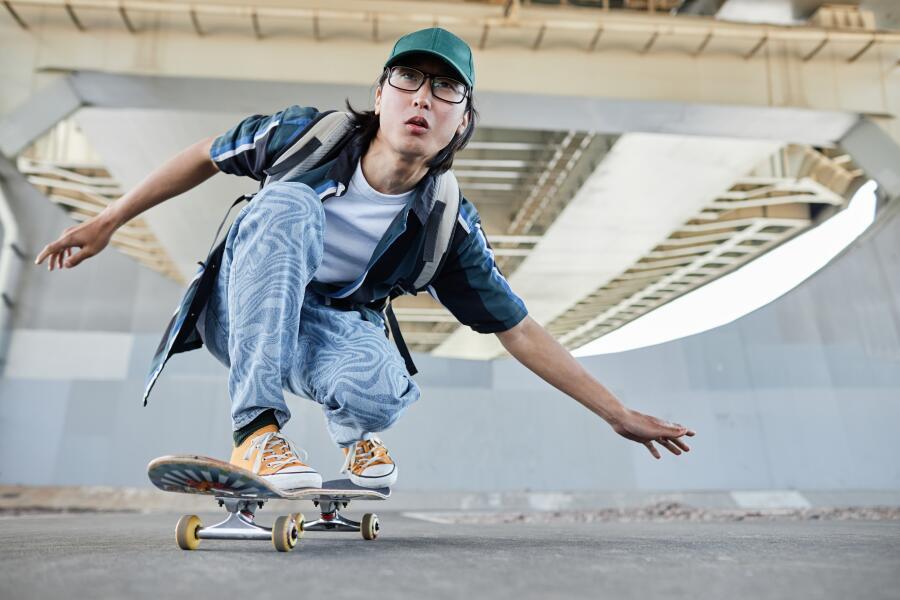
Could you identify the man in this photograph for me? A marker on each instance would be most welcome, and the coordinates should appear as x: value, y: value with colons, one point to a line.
x: 309, y: 261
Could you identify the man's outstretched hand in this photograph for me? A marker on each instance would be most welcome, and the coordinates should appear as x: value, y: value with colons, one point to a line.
x: 535, y: 348
x: 90, y: 237
x: 645, y: 429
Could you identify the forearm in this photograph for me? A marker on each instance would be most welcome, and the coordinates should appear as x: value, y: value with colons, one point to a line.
x: 185, y: 170
x: 535, y: 348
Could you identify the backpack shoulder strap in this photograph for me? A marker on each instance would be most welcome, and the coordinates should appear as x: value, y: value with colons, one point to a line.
x: 439, y: 228
x: 321, y: 136
x: 438, y: 235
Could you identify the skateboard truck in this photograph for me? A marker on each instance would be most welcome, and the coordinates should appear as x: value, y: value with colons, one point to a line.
x: 239, y: 524
x: 332, y: 520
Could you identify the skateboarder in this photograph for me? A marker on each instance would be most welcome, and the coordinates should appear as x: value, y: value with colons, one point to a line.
x: 308, y: 263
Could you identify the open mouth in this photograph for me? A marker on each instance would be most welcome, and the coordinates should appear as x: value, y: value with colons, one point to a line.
x: 418, y: 122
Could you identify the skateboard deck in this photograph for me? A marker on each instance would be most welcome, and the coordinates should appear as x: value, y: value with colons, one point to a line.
x: 242, y: 493
x: 191, y: 474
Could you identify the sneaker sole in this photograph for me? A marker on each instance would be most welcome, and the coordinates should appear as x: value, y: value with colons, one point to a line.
x: 292, y: 481
x: 375, y: 482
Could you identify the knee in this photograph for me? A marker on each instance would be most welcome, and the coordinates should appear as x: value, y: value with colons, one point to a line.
x: 281, y: 211
x: 373, y: 405
x: 393, y: 406
x: 292, y: 201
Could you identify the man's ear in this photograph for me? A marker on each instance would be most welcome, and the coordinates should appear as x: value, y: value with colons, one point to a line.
x: 465, y: 122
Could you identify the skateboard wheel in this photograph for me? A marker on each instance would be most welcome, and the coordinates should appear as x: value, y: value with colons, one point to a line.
x: 299, y: 520
x: 186, y: 532
x: 369, y: 526
x: 285, y: 534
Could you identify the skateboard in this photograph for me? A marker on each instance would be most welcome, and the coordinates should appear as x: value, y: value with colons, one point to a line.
x: 242, y: 493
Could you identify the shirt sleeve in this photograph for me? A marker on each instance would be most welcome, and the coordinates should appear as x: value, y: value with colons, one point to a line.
x: 251, y: 146
x: 471, y: 286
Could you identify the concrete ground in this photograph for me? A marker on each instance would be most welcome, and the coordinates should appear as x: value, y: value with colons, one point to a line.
x: 133, y: 555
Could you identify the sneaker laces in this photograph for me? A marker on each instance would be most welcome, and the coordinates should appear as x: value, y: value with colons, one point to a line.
x: 365, y: 453
x: 275, y: 449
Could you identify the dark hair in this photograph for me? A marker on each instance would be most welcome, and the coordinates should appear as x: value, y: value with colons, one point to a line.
x: 369, y: 123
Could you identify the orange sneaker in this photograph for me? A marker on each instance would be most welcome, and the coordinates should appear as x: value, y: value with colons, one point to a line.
x: 268, y: 453
x: 369, y: 465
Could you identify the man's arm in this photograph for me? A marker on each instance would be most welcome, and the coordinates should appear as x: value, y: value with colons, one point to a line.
x: 535, y: 348
x: 185, y: 170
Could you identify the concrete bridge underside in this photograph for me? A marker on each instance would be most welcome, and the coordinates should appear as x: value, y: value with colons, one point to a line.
x: 819, y: 364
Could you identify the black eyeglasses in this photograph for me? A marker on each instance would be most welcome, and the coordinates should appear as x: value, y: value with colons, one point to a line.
x: 443, y: 88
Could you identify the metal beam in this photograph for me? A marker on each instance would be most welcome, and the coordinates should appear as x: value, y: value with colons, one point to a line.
x: 126, y: 20
x: 75, y: 20
x: 15, y: 15
x: 498, y: 109
x: 808, y: 57
x: 525, y: 19
x: 862, y: 50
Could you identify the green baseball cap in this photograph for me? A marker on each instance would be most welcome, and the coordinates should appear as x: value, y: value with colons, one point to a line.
x: 437, y: 42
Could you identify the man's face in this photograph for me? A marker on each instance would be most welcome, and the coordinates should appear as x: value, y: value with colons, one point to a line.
x: 397, y: 107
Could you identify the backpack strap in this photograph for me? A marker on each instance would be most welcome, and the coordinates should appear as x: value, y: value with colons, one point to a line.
x: 438, y: 234
x: 320, y: 137
x: 398, y: 339
x: 439, y: 228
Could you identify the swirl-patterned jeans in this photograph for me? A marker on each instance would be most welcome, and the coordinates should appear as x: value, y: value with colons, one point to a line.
x: 275, y: 334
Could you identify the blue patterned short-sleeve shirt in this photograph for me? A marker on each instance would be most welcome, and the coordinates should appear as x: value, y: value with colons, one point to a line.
x: 468, y: 284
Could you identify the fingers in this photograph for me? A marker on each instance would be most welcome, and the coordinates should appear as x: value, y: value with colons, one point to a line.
x: 74, y: 261
x: 681, y: 445
x: 666, y: 443
x: 51, y: 251
x: 59, y: 255
x: 674, y: 445
x: 63, y: 244
x: 56, y: 259
x: 681, y: 429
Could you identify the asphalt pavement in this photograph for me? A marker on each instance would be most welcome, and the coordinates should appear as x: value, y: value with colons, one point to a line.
x: 134, y: 555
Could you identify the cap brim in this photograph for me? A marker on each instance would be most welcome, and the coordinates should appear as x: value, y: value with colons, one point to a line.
x: 393, y: 61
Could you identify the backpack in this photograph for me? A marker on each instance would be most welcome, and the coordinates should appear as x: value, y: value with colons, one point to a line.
x: 327, y: 133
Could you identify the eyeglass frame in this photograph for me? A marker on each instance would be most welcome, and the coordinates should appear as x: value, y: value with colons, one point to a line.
x: 426, y: 77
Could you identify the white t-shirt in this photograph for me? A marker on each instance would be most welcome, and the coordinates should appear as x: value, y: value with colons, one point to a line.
x: 354, y: 224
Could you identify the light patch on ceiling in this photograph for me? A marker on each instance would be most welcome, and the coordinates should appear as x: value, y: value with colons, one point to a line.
x: 748, y: 288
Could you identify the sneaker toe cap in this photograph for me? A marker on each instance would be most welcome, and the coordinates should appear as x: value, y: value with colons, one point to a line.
x: 379, y: 470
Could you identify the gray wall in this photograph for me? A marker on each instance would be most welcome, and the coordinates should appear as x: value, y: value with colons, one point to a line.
x: 803, y: 393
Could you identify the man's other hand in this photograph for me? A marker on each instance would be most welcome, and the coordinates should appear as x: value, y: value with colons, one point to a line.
x: 646, y: 429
